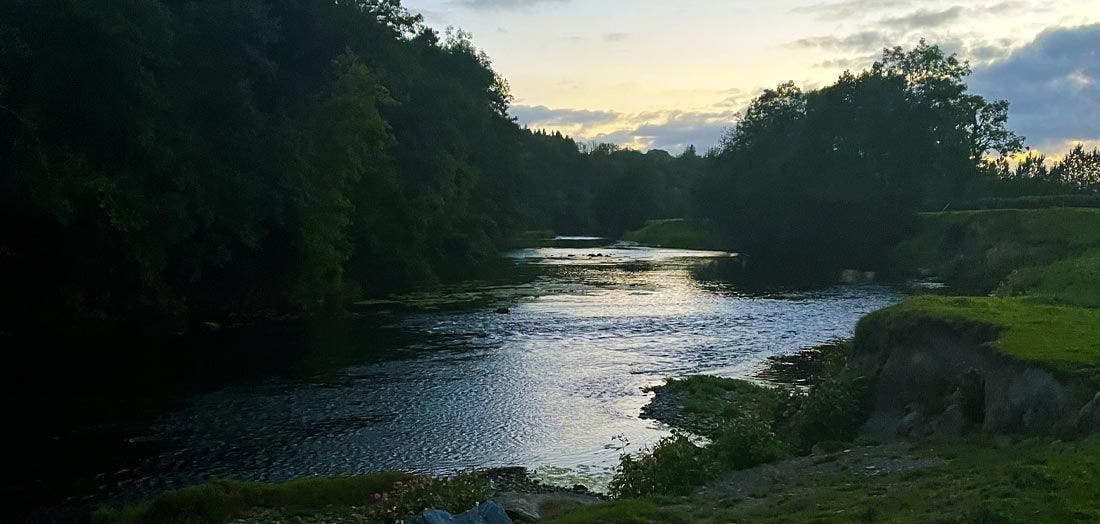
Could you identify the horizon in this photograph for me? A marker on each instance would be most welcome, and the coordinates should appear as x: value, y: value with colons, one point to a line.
x: 603, y: 73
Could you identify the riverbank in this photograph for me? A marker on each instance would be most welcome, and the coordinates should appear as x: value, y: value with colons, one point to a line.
x: 976, y: 408
x: 938, y: 410
x: 679, y: 233
x: 380, y: 497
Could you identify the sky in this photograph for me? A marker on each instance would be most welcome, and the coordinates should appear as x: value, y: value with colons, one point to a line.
x: 655, y: 74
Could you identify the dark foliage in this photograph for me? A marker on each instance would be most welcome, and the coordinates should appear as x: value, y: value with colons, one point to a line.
x: 811, y: 182
x: 171, y: 160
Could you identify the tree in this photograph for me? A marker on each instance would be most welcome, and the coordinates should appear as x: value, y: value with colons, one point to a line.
x: 809, y: 182
x: 1079, y: 168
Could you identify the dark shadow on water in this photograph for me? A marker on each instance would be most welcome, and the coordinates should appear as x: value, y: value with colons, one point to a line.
x: 76, y: 401
x: 799, y: 369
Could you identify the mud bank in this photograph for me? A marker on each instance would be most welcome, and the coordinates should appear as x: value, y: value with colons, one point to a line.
x: 940, y: 378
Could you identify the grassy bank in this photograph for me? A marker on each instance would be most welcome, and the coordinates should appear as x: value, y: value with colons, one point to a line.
x: 1064, y: 339
x: 1028, y: 481
x: 1036, y: 274
x: 781, y: 455
x: 679, y: 233
x: 383, y: 497
x: 1050, y: 253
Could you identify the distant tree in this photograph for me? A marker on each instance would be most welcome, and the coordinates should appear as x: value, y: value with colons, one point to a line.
x: 1080, y: 168
x: 808, y: 182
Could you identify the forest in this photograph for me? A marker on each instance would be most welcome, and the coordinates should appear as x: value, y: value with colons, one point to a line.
x: 166, y: 162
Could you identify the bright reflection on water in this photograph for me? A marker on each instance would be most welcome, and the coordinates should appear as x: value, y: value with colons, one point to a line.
x: 549, y: 384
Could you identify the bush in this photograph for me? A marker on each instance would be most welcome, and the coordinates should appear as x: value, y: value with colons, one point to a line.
x: 675, y: 466
x: 832, y: 410
x: 746, y: 442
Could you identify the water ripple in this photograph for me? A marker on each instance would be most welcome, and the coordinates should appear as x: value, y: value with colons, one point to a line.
x: 547, y: 385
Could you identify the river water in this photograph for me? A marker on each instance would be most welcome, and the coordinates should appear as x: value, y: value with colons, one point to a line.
x: 555, y: 384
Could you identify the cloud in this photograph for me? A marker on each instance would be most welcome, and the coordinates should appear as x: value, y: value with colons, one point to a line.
x: 615, y: 37
x: 1053, y: 84
x: 503, y: 4
x: 858, y: 63
x: 677, y: 131
x: 542, y: 116
x: 889, y: 23
x: 861, y: 41
x: 924, y: 18
x: 847, y: 9
x: 670, y: 130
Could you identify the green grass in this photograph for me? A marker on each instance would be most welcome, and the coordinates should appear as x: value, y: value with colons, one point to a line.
x: 382, y: 496
x: 1061, y: 338
x: 672, y: 511
x: 1033, y: 481
x: 976, y: 251
x: 703, y: 403
x: 679, y: 233
x: 1074, y: 280
x: 1030, y: 481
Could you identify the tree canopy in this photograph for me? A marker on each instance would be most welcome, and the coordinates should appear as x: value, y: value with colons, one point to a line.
x: 180, y: 158
x: 808, y: 182
x: 171, y: 160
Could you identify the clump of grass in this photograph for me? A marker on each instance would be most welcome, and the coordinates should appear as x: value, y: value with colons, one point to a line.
x: 703, y: 404
x: 380, y: 497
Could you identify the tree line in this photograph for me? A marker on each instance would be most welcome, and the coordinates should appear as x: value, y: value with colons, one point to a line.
x: 167, y: 160
x: 810, y: 182
x: 171, y: 160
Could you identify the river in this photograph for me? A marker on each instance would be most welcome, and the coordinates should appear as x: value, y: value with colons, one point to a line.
x: 555, y: 383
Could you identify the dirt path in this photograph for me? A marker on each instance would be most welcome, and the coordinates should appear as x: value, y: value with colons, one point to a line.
x: 799, y: 476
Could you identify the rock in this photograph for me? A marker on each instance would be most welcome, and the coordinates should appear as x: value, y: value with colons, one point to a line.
x: 828, y: 447
x: 1088, y: 420
x: 503, y: 311
x: 854, y: 276
x: 533, y: 507
x: 909, y: 423
x: 487, y: 513
x: 951, y: 423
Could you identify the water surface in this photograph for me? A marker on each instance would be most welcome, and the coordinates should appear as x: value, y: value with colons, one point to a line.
x: 555, y: 384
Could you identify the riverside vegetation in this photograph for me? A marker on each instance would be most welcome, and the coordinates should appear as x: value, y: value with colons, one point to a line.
x: 761, y: 430
x: 168, y: 165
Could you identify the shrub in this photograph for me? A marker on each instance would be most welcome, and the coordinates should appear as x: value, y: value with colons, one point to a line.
x: 674, y: 466
x: 832, y: 410
x: 746, y: 442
